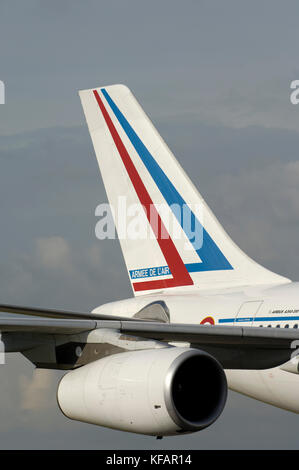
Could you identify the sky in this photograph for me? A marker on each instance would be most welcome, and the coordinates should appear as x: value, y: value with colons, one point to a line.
x: 214, y: 77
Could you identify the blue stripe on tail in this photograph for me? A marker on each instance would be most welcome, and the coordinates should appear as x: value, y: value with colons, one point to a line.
x: 212, y: 259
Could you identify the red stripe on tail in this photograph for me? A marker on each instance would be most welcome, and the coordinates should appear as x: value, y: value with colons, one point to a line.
x: 181, y: 277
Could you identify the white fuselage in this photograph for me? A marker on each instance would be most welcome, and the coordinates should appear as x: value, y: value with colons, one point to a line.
x: 261, y: 306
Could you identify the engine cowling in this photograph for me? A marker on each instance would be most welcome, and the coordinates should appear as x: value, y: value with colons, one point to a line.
x: 154, y: 392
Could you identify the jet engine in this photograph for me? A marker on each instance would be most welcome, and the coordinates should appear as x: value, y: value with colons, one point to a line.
x: 158, y: 392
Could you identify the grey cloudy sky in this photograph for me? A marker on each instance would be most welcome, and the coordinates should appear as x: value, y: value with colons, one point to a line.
x: 215, y: 79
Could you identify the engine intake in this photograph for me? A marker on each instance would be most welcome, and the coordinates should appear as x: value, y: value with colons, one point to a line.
x: 196, y: 390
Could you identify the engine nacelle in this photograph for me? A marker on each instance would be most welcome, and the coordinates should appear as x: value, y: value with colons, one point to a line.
x: 157, y: 392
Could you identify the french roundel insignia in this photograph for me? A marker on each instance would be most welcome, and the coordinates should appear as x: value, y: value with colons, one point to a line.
x: 207, y: 320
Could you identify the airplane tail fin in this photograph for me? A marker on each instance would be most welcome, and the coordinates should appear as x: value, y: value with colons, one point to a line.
x: 169, y: 237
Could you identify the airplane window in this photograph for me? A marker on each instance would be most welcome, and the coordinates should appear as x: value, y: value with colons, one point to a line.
x: 286, y: 326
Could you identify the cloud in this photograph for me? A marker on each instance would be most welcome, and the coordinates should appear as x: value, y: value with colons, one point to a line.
x: 36, y: 391
x: 53, y: 253
x: 203, y: 59
x: 261, y: 209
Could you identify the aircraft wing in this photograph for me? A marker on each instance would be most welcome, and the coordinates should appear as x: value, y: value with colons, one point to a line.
x: 50, y: 313
x: 211, y: 334
x: 167, y: 332
x: 63, y: 321
x: 240, y: 347
x: 236, y: 347
x: 46, y: 325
